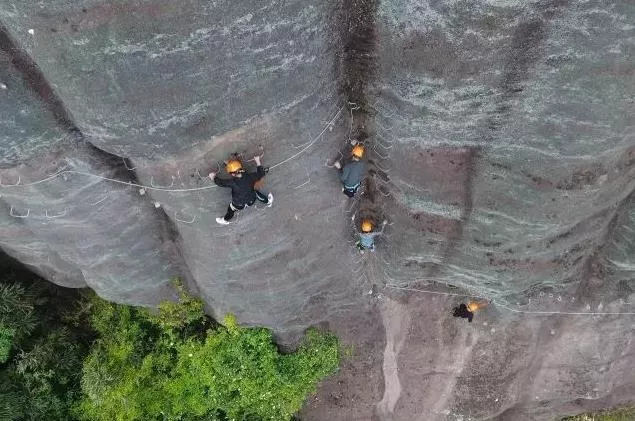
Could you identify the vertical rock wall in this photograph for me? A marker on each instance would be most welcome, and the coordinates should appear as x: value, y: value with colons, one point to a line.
x: 174, y: 89
x: 500, y: 145
x: 57, y: 216
x: 509, y: 126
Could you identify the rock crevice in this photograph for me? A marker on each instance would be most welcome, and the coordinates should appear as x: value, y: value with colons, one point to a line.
x: 499, y: 141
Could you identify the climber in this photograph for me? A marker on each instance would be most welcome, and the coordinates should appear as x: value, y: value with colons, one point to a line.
x: 366, y: 239
x: 353, y: 171
x: 242, y: 185
x: 467, y: 311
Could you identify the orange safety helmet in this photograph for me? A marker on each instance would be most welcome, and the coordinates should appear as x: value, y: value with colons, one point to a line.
x: 473, y: 306
x: 233, y: 165
x: 358, y: 151
x: 367, y: 225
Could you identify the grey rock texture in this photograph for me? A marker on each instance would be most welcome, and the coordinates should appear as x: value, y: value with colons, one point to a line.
x: 500, y: 145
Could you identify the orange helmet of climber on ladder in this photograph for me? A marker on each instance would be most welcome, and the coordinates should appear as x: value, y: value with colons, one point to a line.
x: 352, y: 172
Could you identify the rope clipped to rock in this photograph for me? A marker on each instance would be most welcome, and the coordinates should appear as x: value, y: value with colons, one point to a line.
x: 168, y: 188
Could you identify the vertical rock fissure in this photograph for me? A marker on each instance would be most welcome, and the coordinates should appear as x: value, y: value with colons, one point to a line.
x: 359, y: 68
x: 358, y: 37
x: 359, y: 61
x: 36, y: 81
x: 172, y: 247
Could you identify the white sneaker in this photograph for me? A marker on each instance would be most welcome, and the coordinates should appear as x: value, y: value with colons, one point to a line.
x: 222, y: 221
x: 269, y: 200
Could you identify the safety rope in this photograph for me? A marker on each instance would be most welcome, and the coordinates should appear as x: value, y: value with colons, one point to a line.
x: 167, y: 189
x: 536, y: 312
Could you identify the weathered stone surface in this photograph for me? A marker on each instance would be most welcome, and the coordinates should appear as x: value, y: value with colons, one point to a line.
x: 532, y: 98
x: 58, y: 217
x: 501, y: 149
x: 497, y: 368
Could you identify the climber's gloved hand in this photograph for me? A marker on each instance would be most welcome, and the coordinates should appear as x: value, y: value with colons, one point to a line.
x: 212, y: 175
x: 265, y: 169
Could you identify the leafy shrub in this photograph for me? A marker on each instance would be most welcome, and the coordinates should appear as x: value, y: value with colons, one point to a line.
x: 6, y: 342
x: 40, y: 357
x: 186, y: 316
x: 620, y: 414
x: 48, y: 374
x: 143, y: 367
x: 17, y: 309
x: 175, y: 364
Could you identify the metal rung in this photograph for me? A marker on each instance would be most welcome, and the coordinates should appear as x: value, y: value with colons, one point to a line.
x: 380, y: 155
x: 303, y: 184
x: 160, y: 187
x: 125, y: 163
x: 99, y: 201
x: 10, y: 185
x: 28, y: 211
x: 63, y: 213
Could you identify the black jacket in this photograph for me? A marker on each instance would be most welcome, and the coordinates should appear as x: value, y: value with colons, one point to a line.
x: 243, y: 192
x: 462, y: 311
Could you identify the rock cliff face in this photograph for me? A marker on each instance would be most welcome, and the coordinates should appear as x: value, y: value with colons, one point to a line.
x: 501, y: 148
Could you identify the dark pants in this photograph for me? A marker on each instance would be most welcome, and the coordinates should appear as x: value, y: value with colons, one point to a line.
x: 462, y: 311
x: 350, y: 192
x: 232, y: 208
x: 360, y: 246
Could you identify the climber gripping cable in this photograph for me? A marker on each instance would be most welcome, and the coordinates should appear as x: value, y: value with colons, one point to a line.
x: 467, y: 311
x: 366, y: 238
x: 243, y: 188
x: 353, y: 171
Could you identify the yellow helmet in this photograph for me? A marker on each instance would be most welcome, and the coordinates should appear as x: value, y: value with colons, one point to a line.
x: 367, y: 225
x: 233, y: 165
x: 474, y: 306
x: 358, y: 151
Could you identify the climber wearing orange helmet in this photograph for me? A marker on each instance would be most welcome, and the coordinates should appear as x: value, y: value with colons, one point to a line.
x: 242, y: 185
x: 467, y: 311
x: 366, y: 239
x: 353, y: 171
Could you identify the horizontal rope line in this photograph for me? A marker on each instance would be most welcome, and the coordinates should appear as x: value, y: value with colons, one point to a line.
x: 544, y: 313
x: 129, y: 183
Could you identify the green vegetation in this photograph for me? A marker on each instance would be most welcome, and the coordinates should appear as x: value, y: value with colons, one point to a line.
x: 178, y: 366
x: 71, y: 356
x: 621, y: 414
x: 41, y: 354
x: 7, y: 336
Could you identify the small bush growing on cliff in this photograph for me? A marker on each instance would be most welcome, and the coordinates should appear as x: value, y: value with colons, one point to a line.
x: 162, y: 367
x: 186, y: 313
